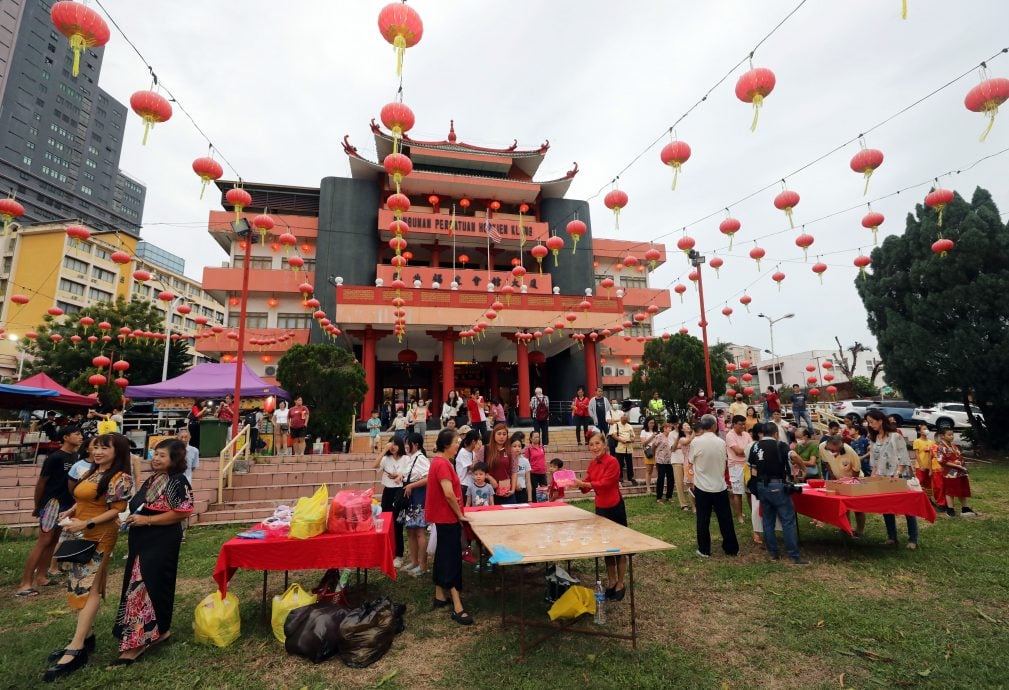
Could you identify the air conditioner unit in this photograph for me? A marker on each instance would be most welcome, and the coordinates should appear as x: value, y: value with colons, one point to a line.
x: 607, y: 371
x: 620, y: 372
x: 271, y: 371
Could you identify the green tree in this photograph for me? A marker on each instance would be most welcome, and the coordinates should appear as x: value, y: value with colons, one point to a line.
x: 940, y: 322
x: 69, y: 363
x: 675, y: 368
x: 332, y: 383
x: 863, y: 387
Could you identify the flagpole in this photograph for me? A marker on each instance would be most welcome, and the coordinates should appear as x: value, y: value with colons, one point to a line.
x: 452, y: 233
x: 487, y: 233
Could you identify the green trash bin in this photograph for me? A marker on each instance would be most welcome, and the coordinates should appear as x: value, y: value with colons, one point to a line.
x: 213, y: 437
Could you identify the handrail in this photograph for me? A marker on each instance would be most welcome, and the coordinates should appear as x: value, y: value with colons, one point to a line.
x: 229, y: 454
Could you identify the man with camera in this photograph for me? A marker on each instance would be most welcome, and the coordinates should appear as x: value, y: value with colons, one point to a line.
x: 771, y: 481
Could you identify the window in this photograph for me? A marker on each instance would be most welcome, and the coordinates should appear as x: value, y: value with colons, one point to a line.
x: 252, y: 320
x: 75, y: 264
x: 97, y: 295
x: 633, y: 282
x: 30, y: 145
x: 26, y: 160
x: 67, y: 307
x: 86, y: 190
x: 255, y: 262
x: 90, y: 163
x: 71, y: 287
x: 176, y: 320
x: 301, y: 321
x: 102, y: 253
x: 103, y: 275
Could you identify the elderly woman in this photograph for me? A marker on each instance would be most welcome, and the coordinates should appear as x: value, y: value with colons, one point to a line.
x: 100, y: 496
x: 444, y: 511
x: 157, y: 511
x: 603, y: 477
x: 623, y: 433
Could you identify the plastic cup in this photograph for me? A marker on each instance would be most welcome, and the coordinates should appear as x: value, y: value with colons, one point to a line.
x: 379, y: 524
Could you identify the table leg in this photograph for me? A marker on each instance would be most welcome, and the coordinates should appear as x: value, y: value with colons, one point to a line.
x: 286, y: 573
x: 365, y: 580
x: 502, y: 598
x: 634, y: 617
x: 596, y: 559
x: 262, y: 607
x: 522, y: 611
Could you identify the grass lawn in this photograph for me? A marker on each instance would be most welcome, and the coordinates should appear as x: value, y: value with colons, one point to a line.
x: 862, y: 616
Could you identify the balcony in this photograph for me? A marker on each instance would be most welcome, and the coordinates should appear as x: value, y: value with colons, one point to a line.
x: 220, y: 281
x: 469, y: 279
x: 643, y: 297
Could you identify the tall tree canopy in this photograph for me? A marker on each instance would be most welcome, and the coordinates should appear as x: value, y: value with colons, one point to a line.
x: 675, y: 368
x: 941, y: 323
x: 70, y: 364
x: 330, y: 380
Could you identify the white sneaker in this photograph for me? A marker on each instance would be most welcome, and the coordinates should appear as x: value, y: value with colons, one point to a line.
x: 412, y: 569
x: 397, y: 563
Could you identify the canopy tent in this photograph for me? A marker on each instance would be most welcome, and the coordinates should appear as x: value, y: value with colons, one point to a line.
x: 207, y: 381
x: 13, y: 396
x: 63, y: 396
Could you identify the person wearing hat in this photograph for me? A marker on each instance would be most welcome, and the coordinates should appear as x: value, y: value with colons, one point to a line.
x: 52, y: 496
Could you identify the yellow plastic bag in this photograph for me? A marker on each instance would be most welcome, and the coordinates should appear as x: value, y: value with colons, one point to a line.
x: 294, y: 598
x: 310, y: 514
x: 573, y: 603
x: 217, y: 621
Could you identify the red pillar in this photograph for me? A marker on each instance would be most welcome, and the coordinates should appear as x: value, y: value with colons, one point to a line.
x: 447, y: 362
x: 591, y: 368
x: 522, y: 362
x: 435, y: 391
x: 368, y: 355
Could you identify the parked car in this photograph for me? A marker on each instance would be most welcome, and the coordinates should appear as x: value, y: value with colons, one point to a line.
x: 853, y: 409
x: 947, y: 415
x: 901, y: 410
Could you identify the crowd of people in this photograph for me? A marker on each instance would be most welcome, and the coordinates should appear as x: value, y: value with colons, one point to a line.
x: 88, y: 492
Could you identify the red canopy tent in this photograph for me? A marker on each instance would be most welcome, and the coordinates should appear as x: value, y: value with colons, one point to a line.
x: 64, y: 396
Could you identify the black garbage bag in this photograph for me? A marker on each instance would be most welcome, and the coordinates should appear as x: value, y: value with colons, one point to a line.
x: 365, y: 634
x: 313, y: 631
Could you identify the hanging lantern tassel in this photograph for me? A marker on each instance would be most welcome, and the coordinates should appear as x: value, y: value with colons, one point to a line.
x: 903, y: 9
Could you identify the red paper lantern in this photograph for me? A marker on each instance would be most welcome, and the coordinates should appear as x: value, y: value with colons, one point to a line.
x: 97, y: 380
x: 263, y: 223
x: 819, y: 268
x: 652, y: 256
x: 577, y: 228
x: 862, y: 261
x: 757, y: 254
x: 104, y: 325
x: 554, y: 244
x: 54, y: 311
x: 9, y: 210
x: 748, y: 391
x: 866, y: 161
x: 744, y: 364
x: 828, y: 377
x: 939, y: 199
x: 731, y: 366
x: 805, y: 241
x: 101, y: 361
x: 871, y: 221
x: 539, y: 253
x: 288, y: 240
x: 121, y: 382
x: 985, y: 98
x: 675, y: 154
x: 786, y: 201
x: 165, y: 296
x: 121, y: 257
x: 208, y: 170
x: 402, y: 27
x: 685, y: 244
x: 184, y: 309
x: 295, y: 262
x: 729, y: 226
x: 747, y: 377
x: 120, y: 365
x: 727, y: 311
x: 398, y: 244
x: 31, y: 335
x: 811, y: 368
x: 778, y: 277
x: 831, y: 389
x: 239, y: 199
x: 716, y: 263
x: 82, y: 26
x: 615, y: 200
x: 679, y: 289
x: 306, y: 289
x: 398, y: 166
x: 398, y: 119
x: 942, y: 246
x: 152, y: 108
x: 435, y: 202
x: 398, y: 204
x: 753, y: 87
x: 78, y: 233
x: 827, y: 365
x: 76, y: 339
x: 745, y: 300
x: 141, y: 276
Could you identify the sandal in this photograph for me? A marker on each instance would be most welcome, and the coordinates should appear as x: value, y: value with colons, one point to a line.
x: 462, y: 618
x: 439, y: 603
x: 27, y: 593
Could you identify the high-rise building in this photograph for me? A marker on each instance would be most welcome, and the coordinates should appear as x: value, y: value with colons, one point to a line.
x: 475, y: 215
x: 60, y: 136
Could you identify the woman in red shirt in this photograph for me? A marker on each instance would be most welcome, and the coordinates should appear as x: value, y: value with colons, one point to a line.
x: 443, y: 509
x: 503, y: 466
x: 580, y: 416
x: 604, y: 478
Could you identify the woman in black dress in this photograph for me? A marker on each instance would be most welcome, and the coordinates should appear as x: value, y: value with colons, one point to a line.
x: 157, y: 510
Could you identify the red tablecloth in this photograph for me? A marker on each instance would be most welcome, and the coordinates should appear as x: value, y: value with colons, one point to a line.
x: 279, y: 552
x: 833, y: 509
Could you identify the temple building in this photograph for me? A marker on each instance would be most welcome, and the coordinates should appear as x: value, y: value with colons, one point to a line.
x: 475, y: 214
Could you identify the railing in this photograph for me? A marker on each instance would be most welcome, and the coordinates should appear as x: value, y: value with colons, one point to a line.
x: 238, y: 447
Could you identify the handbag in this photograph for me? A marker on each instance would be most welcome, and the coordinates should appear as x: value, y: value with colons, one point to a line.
x: 79, y: 551
x: 401, y: 501
x: 649, y: 451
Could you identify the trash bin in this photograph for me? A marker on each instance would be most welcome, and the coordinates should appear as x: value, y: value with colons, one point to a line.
x: 213, y: 437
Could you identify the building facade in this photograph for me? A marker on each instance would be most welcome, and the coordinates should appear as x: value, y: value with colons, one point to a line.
x: 475, y: 215
x: 41, y: 262
x: 60, y: 136
x: 789, y: 369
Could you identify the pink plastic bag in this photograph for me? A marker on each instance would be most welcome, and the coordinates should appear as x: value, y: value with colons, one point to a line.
x: 350, y: 511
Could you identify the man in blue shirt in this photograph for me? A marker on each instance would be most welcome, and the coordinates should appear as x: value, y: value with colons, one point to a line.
x: 799, y: 410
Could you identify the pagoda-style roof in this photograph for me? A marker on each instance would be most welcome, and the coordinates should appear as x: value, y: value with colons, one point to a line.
x: 457, y: 169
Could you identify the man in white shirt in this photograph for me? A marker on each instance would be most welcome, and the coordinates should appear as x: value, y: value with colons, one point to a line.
x: 708, y: 457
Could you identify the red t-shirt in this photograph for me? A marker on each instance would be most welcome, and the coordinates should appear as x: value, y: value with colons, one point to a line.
x: 772, y: 402
x: 297, y: 418
x: 604, y: 476
x: 437, y: 509
x: 580, y: 407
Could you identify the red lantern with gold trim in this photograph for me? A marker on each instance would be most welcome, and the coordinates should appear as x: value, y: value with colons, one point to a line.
x: 786, y: 201
x: 152, y: 108
x: 82, y: 26
x: 209, y: 170
x: 866, y: 161
x: 675, y: 154
x: 871, y: 221
x: 985, y: 98
x: 615, y: 200
x: 939, y: 199
x: 398, y: 119
x: 402, y: 27
x: 753, y: 87
x: 729, y: 226
x: 239, y: 199
x: 9, y: 210
x: 399, y: 166
x: 576, y: 229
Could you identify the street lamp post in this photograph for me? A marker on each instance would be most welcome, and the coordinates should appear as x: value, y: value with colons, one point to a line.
x: 21, y: 357
x: 771, y: 322
x: 168, y: 334
x: 697, y: 260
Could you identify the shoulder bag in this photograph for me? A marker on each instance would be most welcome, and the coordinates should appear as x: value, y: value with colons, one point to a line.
x: 401, y: 501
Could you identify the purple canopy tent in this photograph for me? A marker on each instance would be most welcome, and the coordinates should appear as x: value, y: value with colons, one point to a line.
x: 207, y: 381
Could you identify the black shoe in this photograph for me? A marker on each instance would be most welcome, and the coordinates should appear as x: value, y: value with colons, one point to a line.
x: 618, y: 594
x: 967, y: 512
x: 89, y: 646
x: 611, y: 593
x: 80, y: 659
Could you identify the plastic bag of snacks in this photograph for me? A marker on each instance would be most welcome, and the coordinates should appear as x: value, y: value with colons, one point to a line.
x: 309, y: 517
x: 294, y: 598
x: 350, y: 511
x: 216, y: 621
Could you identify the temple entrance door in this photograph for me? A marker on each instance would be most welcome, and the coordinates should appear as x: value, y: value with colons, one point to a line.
x: 402, y: 396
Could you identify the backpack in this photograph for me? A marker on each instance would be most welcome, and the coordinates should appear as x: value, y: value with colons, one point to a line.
x: 542, y: 410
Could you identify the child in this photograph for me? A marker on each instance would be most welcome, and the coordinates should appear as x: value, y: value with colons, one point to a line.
x: 524, y: 473
x: 923, y: 456
x: 482, y: 493
x: 861, y: 446
x: 938, y: 494
x: 374, y: 427
x: 955, y: 482
x: 556, y: 492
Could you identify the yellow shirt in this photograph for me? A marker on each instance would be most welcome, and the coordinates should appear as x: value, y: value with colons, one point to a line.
x: 737, y: 408
x: 923, y: 449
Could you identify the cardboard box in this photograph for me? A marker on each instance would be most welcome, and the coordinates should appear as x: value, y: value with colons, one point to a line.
x: 868, y: 486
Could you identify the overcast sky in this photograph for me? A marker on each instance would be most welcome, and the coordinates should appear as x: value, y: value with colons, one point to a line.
x: 277, y: 85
